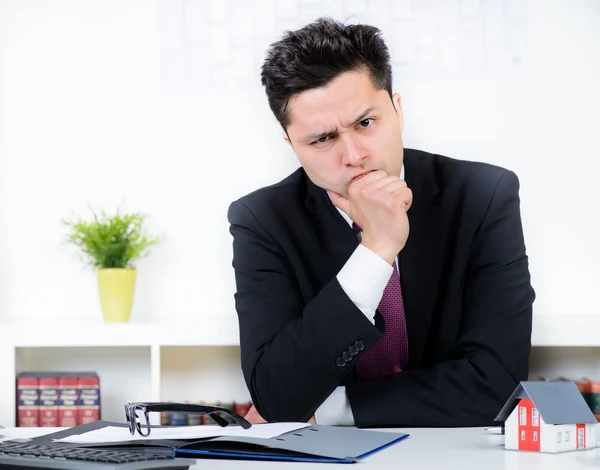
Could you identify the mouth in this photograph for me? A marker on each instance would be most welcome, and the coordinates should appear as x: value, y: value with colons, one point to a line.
x: 359, y: 176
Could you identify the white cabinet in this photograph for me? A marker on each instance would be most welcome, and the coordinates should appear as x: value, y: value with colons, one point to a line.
x: 135, y: 362
x: 180, y: 361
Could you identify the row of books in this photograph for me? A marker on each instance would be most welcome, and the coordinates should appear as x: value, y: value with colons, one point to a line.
x: 184, y: 419
x: 57, y: 399
x: 67, y: 399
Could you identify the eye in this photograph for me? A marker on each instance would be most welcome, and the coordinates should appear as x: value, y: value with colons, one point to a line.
x: 322, y: 140
x: 366, y: 123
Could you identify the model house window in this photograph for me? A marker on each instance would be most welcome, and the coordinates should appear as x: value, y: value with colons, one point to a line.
x: 559, y: 437
x: 523, y: 412
x: 580, y: 438
x: 535, y: 417
x: 535, y: 436
x: 567, y: 436
x: 522, y: 435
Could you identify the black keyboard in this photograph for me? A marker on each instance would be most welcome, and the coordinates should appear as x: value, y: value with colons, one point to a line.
x: 19, y: 455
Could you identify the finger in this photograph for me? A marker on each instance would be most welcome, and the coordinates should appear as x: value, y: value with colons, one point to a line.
x: 340, y: 201
x: 369, y: 178
x: 406, y: 196
x: 395, y: 186
x: 366, y: 182
x: 375, y: 175
x: 388, y: 181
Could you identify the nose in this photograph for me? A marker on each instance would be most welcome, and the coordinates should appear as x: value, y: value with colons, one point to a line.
x: 352, y: 153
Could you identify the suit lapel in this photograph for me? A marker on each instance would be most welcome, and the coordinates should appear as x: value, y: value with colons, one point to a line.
x: 421, y: 259
x: 334, y: 238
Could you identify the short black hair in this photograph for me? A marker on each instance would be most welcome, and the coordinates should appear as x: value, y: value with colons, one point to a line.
x: 314, y: 55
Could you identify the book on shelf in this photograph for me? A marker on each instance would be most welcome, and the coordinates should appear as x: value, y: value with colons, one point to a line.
x: 57, y: 399
x: 27, y: 401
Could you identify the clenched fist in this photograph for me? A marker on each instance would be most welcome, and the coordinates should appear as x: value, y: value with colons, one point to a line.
x: 378, y: 203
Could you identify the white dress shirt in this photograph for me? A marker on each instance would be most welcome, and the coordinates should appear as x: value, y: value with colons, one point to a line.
x: 363, y: 278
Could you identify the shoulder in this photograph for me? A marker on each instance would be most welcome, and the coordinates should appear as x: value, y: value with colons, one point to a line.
x: 474, y: 182
x: 285, y: 196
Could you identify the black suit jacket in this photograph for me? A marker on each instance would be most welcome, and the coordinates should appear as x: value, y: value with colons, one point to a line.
x: 466, y: 288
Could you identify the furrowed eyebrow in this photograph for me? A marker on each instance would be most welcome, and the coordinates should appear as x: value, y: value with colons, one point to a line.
x: 365, y: 113
x: 318, y: 135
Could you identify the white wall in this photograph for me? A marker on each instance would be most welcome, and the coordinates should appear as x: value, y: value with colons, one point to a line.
x: 85, y: 122
x: 542, y: 123
x: 88, y: 117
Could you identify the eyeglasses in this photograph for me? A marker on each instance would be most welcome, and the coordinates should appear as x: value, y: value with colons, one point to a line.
x: 133, y: 419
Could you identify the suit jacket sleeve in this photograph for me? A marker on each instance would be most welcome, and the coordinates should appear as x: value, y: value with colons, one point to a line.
x: 289, y: 356
x: 491, y: 353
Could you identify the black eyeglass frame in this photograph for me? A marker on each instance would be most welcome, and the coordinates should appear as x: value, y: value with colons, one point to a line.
x: 147, y: 407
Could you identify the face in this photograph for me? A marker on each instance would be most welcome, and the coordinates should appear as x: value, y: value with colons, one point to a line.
x: 344, y: 130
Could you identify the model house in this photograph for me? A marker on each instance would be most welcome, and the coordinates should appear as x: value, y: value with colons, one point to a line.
x: 548, y: 417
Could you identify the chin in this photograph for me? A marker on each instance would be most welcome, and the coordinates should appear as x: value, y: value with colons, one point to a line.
x: 344, y: 192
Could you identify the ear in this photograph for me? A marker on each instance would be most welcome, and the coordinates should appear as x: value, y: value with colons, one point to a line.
x: 397, y: 102
x: 286, y: 137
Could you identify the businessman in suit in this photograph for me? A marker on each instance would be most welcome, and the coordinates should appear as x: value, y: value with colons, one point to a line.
x: 376, y: 285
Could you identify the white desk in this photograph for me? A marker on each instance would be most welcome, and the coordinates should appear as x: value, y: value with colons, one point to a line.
x: 464, y: 449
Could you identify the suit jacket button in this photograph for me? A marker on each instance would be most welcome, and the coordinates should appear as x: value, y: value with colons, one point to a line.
x: 347, y: 356
x: 352, y: 350
x: 360, y: 344
x: 340, y: 362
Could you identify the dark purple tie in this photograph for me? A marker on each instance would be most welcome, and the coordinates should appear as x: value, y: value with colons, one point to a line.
x: 389, y: 355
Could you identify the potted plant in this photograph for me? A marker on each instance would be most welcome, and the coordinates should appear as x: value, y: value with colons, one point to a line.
x: 111, y: 244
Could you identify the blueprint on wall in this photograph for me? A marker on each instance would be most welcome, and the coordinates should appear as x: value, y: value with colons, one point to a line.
x: 223, y: 42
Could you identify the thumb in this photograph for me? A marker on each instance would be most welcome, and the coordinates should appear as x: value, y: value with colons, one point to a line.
x: 340, y: 202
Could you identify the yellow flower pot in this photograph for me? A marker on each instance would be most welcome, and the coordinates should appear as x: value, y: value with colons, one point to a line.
x: 116, y: 287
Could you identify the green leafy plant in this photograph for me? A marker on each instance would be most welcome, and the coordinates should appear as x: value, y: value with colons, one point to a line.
x: 111, y: 241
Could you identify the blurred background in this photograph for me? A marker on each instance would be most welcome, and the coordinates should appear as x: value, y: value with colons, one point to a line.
x: 157, y: 106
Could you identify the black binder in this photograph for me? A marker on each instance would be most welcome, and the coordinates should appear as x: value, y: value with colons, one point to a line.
x: 314, y: 443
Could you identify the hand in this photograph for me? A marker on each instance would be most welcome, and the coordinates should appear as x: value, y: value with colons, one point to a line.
x: 378, y: 203
x: 254, y: 418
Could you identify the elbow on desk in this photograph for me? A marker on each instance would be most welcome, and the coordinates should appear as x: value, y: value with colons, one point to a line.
x: 278, y: 406
x: 277, y: 403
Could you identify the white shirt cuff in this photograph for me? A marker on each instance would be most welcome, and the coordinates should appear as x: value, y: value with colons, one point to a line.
x: 335, y: 411
x: 363, y: 278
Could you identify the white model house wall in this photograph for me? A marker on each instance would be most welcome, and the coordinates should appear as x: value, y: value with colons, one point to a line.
x: 553, y: 438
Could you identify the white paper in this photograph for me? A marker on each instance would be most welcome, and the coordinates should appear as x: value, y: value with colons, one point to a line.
x: 115, y: 434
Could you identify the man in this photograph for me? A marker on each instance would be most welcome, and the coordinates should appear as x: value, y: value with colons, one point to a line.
x: 376, y: 285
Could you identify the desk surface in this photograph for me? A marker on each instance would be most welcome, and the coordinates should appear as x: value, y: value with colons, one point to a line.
x: 464, y: 448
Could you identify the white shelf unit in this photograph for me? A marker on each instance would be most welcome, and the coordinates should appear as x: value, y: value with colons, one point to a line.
x: 187, y: 361
x: 178, y: 361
